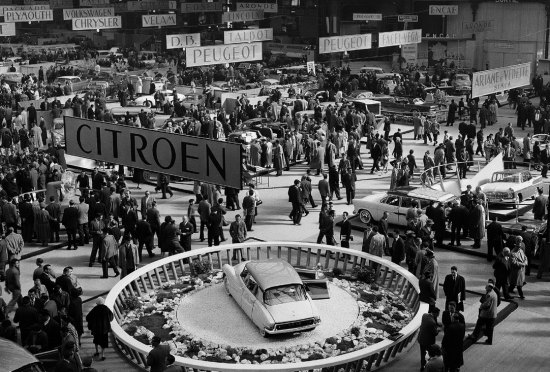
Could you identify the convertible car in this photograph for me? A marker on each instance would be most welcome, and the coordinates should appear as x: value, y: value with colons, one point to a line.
x: 272, y: 295
x: 510, y: 186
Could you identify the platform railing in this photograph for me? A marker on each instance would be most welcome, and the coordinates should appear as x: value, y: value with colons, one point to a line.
x: 392, y: 277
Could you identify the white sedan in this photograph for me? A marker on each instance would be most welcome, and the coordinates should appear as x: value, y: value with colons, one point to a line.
x: 149, y: 99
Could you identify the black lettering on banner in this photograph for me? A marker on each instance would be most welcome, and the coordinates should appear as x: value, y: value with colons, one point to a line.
x: 210, y: 156
x: 79, y: 139
x: 115, y: 141
x: 185, y: 156
x: 172, y: 153
x: 139, y: 151
x: 98, y: 140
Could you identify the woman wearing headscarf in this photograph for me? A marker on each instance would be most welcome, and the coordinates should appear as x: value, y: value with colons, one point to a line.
x: 99, y: 323
x: 517, y: 272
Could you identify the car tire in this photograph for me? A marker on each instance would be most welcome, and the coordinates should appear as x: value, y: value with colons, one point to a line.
x: 365, y: 216
x: 147, y: 103
x: 263, y: 333
x: 226, y: 286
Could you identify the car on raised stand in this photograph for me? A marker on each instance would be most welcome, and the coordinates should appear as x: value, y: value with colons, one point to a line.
x: 511, y: 186
x: 192, y: 99
x: 77, y: 84
x: 268, y: 128
x: 149, y: 99
x: 360, y: 94
x: 396, y: 202
x: 406, y: 106
x: 272, y: 295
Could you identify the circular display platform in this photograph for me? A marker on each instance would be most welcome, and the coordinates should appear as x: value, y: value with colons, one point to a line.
x: 213, y: 316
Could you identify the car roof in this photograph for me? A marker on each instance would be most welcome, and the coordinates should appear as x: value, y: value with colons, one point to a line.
x: 510, y: 171
x: 14, y: 356
x: 273, y: 273
x: 421, y: 193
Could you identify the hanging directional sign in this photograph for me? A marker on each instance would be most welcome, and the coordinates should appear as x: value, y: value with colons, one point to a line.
x: 28, y: 15
x: 221, y: 54
x: 84, y: 3
x: 69, y: 14
x: 6, y: 8
x: 98, y: 23
x: 367, y: 16
x: 344, y: 43
x: 407, y: 18
x: 266, y: 7
x: 443, y: 10
x: 243, y: 16
x: 183, y: 41
x: 201, y: 7
x: 247, y: 36
x: 393, y: 38
x: 158, y: 20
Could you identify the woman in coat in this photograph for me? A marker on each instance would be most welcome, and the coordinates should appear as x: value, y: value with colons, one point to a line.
x: 517, y: 270
x: 99, y: 323
x: 432, y: 267
x: 278, y: 158
x: 36, y: 137
x: 42, y: 221
x: 477, y: 220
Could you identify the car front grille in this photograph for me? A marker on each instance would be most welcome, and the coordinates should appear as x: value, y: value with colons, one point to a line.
x: 499, y: 195
x: 296, y: 324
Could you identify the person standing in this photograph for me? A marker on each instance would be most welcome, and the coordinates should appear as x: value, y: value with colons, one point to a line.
x: 186, y: 229
x: 99, y: 323
x: 109, y: 249
x: 153, y: 217
x: 13, y: 283
x: 324, y: 189
x: 249, y: 206
x: 146, y: 203
x: 348, y: 180
x: 397, y: 249
x: 204, y: 212
x: 427, y: 333
x: 345, y: 231
x: 70, y: 221
x: 477, y: 218
x: 214, y: 222
x: 156, y: 359
x: 517, y: 267
x: 495, y: 237
x: 539, y: 206
x: 487, y: 315
x: 83, y: 232
x: 452, y: 344
x: 144, y: 235
x: 454, y: 287
x: 432, y: 267
x: 334, y: 184
x: 383, y: 229
x: 96, y: 231
x: 295, y: 198
x: 502, y: 267
x: 237, y: 230
x: 128, y: 257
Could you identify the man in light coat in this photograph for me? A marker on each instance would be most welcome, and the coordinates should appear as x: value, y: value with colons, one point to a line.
x: 487, y: 314
x: 109, y: 249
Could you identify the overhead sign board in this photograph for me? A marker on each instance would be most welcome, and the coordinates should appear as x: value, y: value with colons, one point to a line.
x: 478, y: 26
x: 386, y: 39
x: 144, y: 5
x: 28, y: 15
x: 61, y: 4
x: 94, y: 2
x: 266, y: 7
x: 247, y: 36
x: 98, y: 23
x: 6, y: 8
x: 344, y: 43
x: 500, y: 79
x: 7, y: 29
x: 410, y: 53
x: 158, y: 20
x: 221, y: 54
x: 367, y: 16
x: 407, y: 18
x: 443, y: 10
x: 243, y: 16
x: 201, y: 7
x: 183, y: 41
x: 69, y: 14
x: 212, y: 161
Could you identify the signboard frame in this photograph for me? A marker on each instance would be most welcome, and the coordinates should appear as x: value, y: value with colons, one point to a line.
x: 437, y: 9
x: 255, y: 15
x: 191, y: 55
x: 227, y: 39
x: 46, y: 15
x: 475, y: 26
x: 195, y: 40
x: 503, y: 79
x: 171, y: 16
x: 7, y: 29
x: 367, y: 17
x: 96, y: 19
x: 407, y: 18
x: 202, y: 159
x: 201, y: 7
x: 341, y: 41
x: 69, y: 14
x: 266, y: 7
x: 404, y: 37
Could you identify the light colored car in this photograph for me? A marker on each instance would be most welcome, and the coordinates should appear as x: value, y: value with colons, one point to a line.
x: 192, y: 99
x: 272, y: 295
x: 15, y: 358
x: 77, y: 84
x: 462, y: 82
x: 510, y: 186
x: 360, y: 94
x: 396, y: 202
x: 149, y: 99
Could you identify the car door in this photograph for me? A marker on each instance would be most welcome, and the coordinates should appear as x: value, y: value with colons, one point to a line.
x: 248, y: 298
x: 406, y: 203
x: 390, y: 204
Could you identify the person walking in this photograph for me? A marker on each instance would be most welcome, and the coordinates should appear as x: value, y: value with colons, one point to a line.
x: 295, y: 198
x: 487, y: 315
x: 144, y: 235
x: 13, y: 283
x: 345, y: 231
x: 517, y: 267
x: 237, y: 230
x: 502, y: 268
x: 452, y: 344
x: 249, y: 206
x: 99, y: 323
x: 109, y: 249
x: 156, y: 359
x: 348, y: 180
x: 128, y: 257
x: 186, y: 230
x: 324, y: 189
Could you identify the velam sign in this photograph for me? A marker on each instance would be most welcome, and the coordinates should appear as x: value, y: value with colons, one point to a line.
x: 443, y: 10
x: 69, y: 14
x: 183, y: 41
x: 344, y: 43
x: 386, y: 39
x: 500, y: 79
x: 98, y: 23
x: 221, y: 54
x: 28, y: 15
x: 158, y: 20
x: 247, y: 36
x: 212, y: 161
x: 266, y: 7
x: 243, y: 16
x: 7, y: 29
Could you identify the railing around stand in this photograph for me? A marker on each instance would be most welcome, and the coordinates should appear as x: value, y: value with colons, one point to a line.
x: 392, y: 277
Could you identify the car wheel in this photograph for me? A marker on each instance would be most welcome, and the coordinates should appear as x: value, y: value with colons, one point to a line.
x: 365, y: 216
x: 263, y: 333
x: 147, y: 103
x: 226, y: 286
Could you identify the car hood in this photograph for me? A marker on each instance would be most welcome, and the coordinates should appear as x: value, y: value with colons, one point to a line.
x: 292, y: 311
x: 500, y: 186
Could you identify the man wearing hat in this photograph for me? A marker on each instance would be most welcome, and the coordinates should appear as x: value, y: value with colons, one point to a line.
x: 487, y: 315
x: 539, y: 206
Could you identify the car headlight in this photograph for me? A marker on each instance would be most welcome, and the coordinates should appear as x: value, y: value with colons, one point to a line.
x: 270, y: 326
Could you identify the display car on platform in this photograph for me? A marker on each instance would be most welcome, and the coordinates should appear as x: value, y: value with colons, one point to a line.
x: 396, y: 202
x: 272, y: 295
x: 511, y: 186
x: 77, y: 84
x: 149, y: 99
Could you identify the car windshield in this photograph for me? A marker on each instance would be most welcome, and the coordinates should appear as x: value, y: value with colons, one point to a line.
x: 506, y: 177
x: 284, y: 294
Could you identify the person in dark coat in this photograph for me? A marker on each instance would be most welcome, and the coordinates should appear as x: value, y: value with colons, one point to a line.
x: 348, y: 180
x: 27, y: 316
x: 186, y: 229
x: 295, y: 198
x: 495, y: 237
x: 52, y: 329
x: 70, y: 221
x: 144, y: 235
x: 99, y: 323
x: 454, y: 287
x: 214, y: 221
x: 427, y: 332
x: 438, y: 217
x: 539, y: 206
x: 458, y: 217
x: 452, y: 343
x: 345, y: 231
x: 75, y: 311
x: 502, y: 268
x: 427, y: 291
x: 397, y: 249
